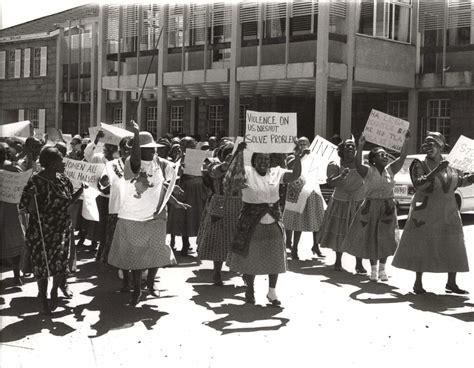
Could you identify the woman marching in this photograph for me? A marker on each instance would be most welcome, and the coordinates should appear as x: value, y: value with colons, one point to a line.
x: 220, y: 216
x: 372, y: 233
x: 348, y: 195
x: 46, y: 199
x: 311, y: 218
x: 433, y: 239
x: 258, y: 247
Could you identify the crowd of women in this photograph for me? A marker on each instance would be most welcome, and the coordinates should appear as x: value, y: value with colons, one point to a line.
x: 244, y: 216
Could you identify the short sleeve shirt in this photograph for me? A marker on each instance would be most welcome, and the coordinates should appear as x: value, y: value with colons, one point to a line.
x: 262, y: 189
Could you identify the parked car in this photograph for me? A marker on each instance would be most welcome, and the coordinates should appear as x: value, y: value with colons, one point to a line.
x: 404, y: 189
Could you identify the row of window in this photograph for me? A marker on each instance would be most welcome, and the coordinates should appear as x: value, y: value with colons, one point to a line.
x: 17, y: 63
x: 37, y: 117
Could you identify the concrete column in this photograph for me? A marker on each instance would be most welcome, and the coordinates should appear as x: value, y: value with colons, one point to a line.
x: 126, y: 107
x: 322, y: 70
x: 101, y: 67
x: 413, y: 119
x: 59, y: 80
x: 235, y: 58
x: 192, y: 115
x: 161, y: 90
x: 93, y: 81
x: 330, y: 123
x: 349, y: 54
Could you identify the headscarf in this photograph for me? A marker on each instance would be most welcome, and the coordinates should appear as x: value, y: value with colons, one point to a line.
x: 437, y: 137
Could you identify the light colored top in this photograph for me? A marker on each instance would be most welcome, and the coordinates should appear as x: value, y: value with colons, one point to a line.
x: 379, y: 185
x: 92, y: 156
x: 114, y: 170
x: 350, y: 188
x: 140, y: 194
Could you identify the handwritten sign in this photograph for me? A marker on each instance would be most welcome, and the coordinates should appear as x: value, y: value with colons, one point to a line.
x: 83, y: 172
x: 193, y: 161
x: 12, y: 184
x: 461, y: 156
x: 113, y: 133
x: 18, y: 129
x: 269, y: 132
x: 386, y: 130
x: 315, y: 164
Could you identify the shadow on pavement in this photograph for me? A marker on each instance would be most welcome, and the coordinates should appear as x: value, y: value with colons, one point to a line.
x: 233, y: 318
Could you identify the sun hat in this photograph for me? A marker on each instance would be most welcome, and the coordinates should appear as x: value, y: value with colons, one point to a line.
x: 146, y: 140
x: 437, y: 137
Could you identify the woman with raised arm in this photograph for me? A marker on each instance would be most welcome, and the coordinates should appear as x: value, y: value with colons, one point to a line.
x: 433, y: 239
x: 258, y: 247
x: 372, y: 233
x: 348, y: 195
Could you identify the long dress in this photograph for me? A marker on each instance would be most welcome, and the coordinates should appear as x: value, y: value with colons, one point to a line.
x: 266, y: 254
x: 53, y: 198
x: 433, y: 239
x: 372, y: 234
x: 219, y: 219
x: 346, y: 199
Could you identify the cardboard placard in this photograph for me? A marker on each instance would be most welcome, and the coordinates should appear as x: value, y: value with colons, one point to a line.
x: 193, y: 161
x: 461, y: 156
x: 113, y: 133
x: 269, y: 132
x: 386, y: 130
x: 83, y: 172
x: 314, y: 165
x: 18, y: 129
x: 12, y: 184
x: 171, y: 185
x: 90, y: 211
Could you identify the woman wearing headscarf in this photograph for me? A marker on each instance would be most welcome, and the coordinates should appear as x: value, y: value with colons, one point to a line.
x: 433, y: 239
x: 372, y: 234
x: 311, y: 216
x: 258, y: 247
x: 220, y: 215
x: 348, y: 195
x: 46, y: 199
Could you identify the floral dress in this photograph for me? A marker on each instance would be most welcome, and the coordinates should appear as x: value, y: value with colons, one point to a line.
x: 53, y: 198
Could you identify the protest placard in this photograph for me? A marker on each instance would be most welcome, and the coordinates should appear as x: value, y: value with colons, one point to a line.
x: 269, y: 132
x: 113, y: 133
x: 90, y: 211
x: 12, y: 184
x: 193, y: 161
x: 386, y: 130
x: 171, y: 185
x: 461, y: 156
x: 315, y: 164
x: 83, y: 172
x: 18, y: 129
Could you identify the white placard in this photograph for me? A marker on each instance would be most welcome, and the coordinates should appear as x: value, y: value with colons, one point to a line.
x: 314, y: 165
x: 269, y: 132
x: 18, y: 129
x: 12, y: 184
x: 461, y: 156
x: 90, y: 211
x: 113, y: 133
x: 83, y: 172
x: 386, y: 130
x: 171, y: 185
x: 193, y: 160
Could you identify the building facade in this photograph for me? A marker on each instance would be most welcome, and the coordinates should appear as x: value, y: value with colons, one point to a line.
x: 196, y: 68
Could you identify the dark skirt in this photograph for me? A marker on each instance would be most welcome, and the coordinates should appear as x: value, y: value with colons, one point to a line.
x: 96, y: 230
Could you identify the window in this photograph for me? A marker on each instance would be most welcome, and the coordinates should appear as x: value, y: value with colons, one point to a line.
x: 2, y: 64
x: 389, y: 19
x: 11, y: 64
x: 197, y: 24
x: 26, y: 63
x: 151, y: 119
x: 176, y: 121
x: 398, y: 109
x: 216, y: 119
x: 117, y: 115
x: 39, y: 61
x: 249, y: 13
x: 275, y: 20
x: 438, y: 117
x: 242, y: 119
x: 37, y: 117
x: 304, y: 17
x: 33, y: 117
x: 175, y: 26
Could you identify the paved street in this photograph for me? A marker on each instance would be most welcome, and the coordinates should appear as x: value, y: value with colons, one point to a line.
x: 329, y: 318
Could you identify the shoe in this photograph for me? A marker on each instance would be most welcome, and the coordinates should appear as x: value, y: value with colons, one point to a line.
x: 17, y: 282
x: 419, y: 290
x: 373, y: 276
x: 249, y: 295
x: 361, y: 270
x: 455, y: 290
x: 53, y: 304
x: 66, y: 291
x: 383, y: 276
x: 135, y: 298
x: 217, y: 279
x: 275, y: 302
x: 152, y: 290
x: 317, y: 251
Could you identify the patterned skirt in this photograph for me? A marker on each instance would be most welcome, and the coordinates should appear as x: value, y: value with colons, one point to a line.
x: 12, y: 239
x: 337, y: 219
x: 139, y: 245
x: 267, y: 255
x: 372, y: 234
x: 217, y: 228
x: 310, y: 219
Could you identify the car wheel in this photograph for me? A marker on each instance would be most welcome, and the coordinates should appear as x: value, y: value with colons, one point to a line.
x: 458, y: 201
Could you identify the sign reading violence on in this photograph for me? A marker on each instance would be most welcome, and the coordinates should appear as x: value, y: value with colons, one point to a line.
x: 269, y: 132
x: 386, y: 130
x: 461, y: 156
x: 83, y: 172
x: 12, y: 184
x: 315, y: 164
x: 193, y: 161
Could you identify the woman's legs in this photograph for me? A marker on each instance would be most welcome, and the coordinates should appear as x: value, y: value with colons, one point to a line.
x: 249, y: 292
x: 373, y: 271
x: 216, y: 277
x: 296, y: 240
x: 42, y: 295
x: 271, y: 296
x: 150, y: 281
x: 288, y: 234
x: 57, y: 280
x: 186, y: 246
x: 137, y: 291
x: 418, y: 286
x: 125, y: 281
x: 338, y: 263
x: 16, y: 271
x: 382, y: 274
x: 360, y: 267
x: 452, y: 287
x: 315, y: 247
